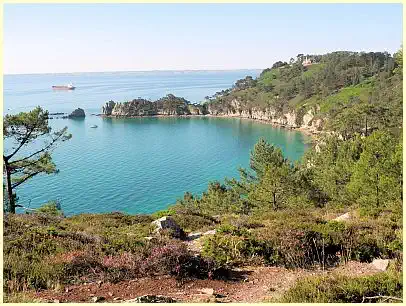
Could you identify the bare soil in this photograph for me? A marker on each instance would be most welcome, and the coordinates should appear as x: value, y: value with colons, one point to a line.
x: 246, y: 285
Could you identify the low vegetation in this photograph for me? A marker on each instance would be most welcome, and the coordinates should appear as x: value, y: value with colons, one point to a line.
x: 381, y: 287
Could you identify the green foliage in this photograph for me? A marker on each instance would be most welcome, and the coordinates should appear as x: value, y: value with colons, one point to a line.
x: 218, y: 199
x: 273, y: 188
x: 344, y: 289
x: 263, y: 155
x: 348, y: 90
x: 227, y: 250
x: 377, y: 176
x: 51, y: 208
x: 25, y: 160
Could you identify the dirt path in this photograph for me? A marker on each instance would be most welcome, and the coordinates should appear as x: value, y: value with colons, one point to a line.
x: 247, y: 285
x: 251, y: 285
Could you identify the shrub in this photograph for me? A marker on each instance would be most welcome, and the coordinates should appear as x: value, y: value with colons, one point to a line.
x: 343, y: 289
x: 174, y: 258
x: 304, y: 242
x: 51, y: 208
x: 227, y: 250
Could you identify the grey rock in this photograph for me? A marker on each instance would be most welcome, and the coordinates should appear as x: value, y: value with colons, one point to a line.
x: 108, y: 108
x: 344, y: 217
x: 97, y: 299
x: 380, y: 264
x: 151, y: 299
x: 77, y: 113
x: 167, y: 223
x: 211, y: 232
x: 208, y: 291
x: 193, y: 236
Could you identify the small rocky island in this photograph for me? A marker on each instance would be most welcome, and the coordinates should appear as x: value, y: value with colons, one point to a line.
x: 77, y: 113
x: 169, y: 105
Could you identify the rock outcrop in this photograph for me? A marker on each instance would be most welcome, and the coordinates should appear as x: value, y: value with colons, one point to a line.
x: 77, y: 113
x: 167, y: 223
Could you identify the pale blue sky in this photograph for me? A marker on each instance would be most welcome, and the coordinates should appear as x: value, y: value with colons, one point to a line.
x: 127, y: 37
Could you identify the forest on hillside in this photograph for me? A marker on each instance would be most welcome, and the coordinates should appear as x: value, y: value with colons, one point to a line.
x: 352, y: 92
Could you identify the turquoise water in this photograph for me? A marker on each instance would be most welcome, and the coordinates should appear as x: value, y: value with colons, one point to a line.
x: 142, y: 165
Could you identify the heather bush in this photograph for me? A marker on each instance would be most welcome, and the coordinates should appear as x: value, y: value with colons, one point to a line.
x: 344, y: 289
x: 227, y: 250
x: 174, y: 258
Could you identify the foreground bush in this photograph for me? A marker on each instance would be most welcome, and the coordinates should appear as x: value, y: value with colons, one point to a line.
x: 44, y: 251
x: 343, y: 289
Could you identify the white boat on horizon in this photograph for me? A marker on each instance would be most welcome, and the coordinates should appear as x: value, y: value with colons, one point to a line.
x: 64, y: 87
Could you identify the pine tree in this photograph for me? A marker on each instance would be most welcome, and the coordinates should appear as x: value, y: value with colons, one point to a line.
x: 25, y: 160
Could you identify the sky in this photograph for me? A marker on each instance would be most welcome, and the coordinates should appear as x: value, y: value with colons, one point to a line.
x: 59, y: 38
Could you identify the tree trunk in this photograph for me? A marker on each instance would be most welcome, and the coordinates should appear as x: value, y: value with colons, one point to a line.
x: 274, y: 201
x: 377, y: 190
x: 366, y: 126
x: 11, y: 204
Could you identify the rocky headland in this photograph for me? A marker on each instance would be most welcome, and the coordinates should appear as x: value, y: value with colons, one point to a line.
x: 177, y: 106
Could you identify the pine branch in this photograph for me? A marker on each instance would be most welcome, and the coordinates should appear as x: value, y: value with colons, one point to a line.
x: 24, y: 179
x: 54, y: 140
x: 24, y: 140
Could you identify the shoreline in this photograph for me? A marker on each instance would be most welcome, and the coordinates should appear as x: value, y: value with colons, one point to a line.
x: 305, y: 131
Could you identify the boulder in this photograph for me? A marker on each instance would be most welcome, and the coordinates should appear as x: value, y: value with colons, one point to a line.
x: 151, y: 299
x: 210, y: 232
x: 77, y: 113
x: 167, y: 223
x: 380, y: 264
x: 344, y: 217
x: 208, y: 291
x: 97, y: 299
x: 193, y: 236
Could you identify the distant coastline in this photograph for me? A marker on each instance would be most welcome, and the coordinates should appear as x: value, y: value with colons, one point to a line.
x: 132, y: 72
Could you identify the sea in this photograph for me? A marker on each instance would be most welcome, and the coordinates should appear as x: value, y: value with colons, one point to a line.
x: 138, y: 165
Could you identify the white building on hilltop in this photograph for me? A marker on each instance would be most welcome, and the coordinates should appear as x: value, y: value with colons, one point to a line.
x: 306, y: 62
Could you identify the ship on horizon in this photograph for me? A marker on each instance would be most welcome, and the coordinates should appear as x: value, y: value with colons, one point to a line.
x: 64, y: 87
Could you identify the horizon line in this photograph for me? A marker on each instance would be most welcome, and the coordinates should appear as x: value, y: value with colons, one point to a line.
x: 127, y: 71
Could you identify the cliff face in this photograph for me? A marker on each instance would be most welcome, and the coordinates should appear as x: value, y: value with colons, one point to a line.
x: 167, y: 106
x: 290, y: 119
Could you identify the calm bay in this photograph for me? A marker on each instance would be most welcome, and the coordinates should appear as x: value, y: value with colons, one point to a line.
x: 138, y: 165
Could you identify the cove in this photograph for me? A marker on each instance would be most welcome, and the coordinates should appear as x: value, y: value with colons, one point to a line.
x: 142, y: 165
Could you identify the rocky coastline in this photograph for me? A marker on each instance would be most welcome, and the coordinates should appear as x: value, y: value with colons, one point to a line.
x: 172, y: 106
